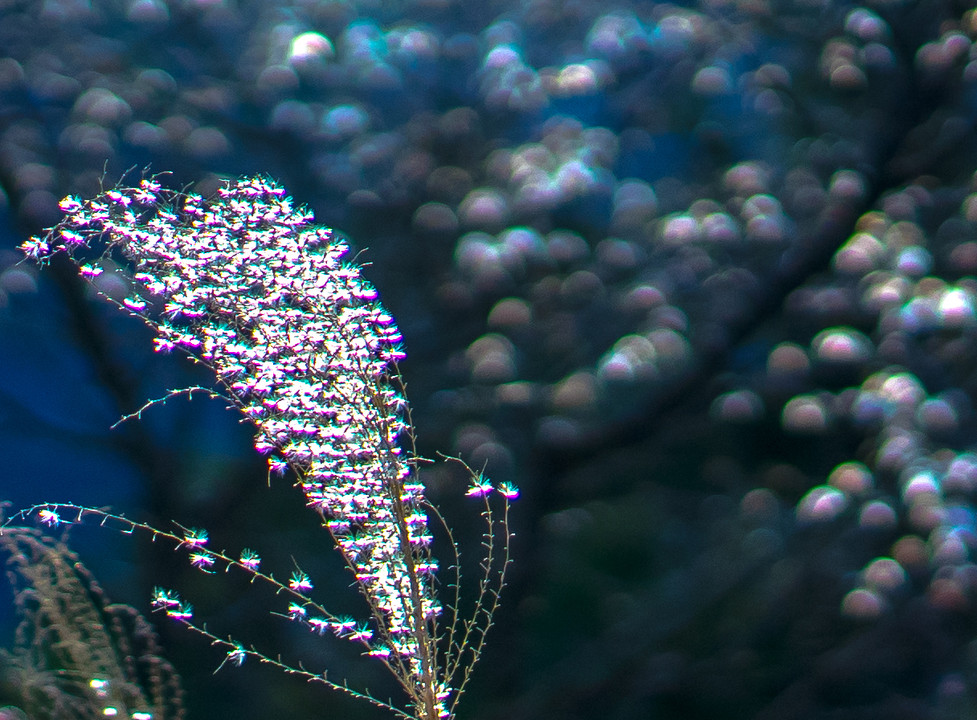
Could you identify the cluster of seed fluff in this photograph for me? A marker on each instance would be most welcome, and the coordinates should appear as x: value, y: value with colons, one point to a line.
x: 298, y: 340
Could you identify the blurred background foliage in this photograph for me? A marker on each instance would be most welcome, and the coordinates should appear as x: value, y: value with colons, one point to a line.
x: 698, y: 277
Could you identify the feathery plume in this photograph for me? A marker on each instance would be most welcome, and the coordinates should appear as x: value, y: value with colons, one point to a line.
x: 300, y: 344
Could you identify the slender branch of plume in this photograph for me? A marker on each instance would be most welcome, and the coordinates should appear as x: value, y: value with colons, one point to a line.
x: 298, y: 342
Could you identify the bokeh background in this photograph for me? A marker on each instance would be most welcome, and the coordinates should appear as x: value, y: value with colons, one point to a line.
x: 697, y: 277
